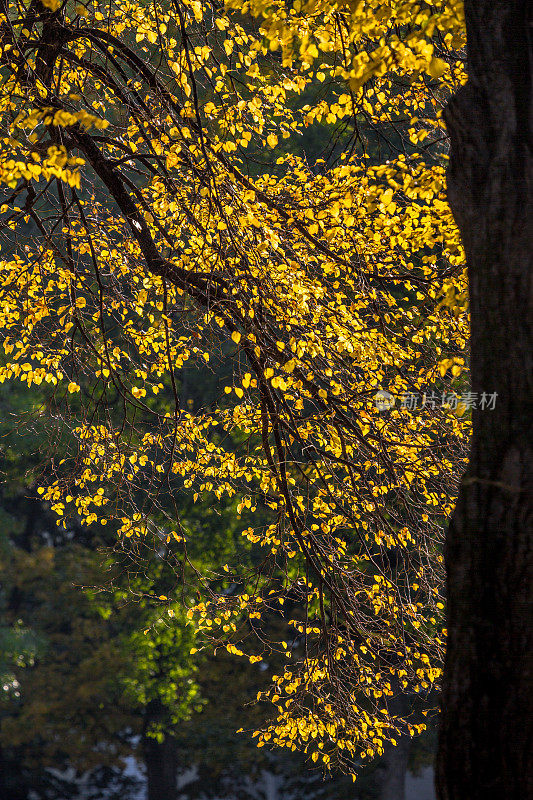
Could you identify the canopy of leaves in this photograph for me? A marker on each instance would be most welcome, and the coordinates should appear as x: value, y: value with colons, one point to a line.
x: 160, y: 222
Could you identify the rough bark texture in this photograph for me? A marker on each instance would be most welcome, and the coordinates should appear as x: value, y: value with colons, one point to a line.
x: 486, y: 741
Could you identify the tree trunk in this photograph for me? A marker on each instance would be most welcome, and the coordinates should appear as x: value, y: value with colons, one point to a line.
x: 161, y: 769
x: 160, y: 759
x: 486, y: 736
x: 392, y: 771
x: 13, y: 783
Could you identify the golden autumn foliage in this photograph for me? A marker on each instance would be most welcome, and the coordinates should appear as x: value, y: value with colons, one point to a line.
x: 159, y: 215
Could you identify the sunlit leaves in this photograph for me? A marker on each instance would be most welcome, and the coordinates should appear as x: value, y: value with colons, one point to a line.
x: 162, y: 227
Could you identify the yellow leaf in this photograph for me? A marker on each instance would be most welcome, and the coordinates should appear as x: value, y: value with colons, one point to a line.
x: 437, y: 67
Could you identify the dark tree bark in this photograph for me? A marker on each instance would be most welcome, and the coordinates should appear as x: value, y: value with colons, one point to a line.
x: 486, y: 742
x: 160, y: 758
x: 392, y: 771
x: 13, y: 783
